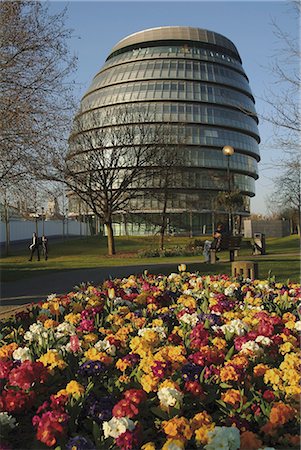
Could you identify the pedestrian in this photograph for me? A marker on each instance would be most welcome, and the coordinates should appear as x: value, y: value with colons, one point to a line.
x: 45, y: 247
x: 206, y: 251
x: 34, y: 247
x: 217, y: 239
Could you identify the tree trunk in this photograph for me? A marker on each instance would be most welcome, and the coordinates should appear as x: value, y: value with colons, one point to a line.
x: 110, y: 239
x: 163, y: 223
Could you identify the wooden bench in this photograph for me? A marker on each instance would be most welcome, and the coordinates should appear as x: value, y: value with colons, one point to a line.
x: 231, y: 243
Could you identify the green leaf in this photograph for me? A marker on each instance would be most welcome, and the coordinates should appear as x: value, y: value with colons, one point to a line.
x: 230, y: 353
x: 159, y: 413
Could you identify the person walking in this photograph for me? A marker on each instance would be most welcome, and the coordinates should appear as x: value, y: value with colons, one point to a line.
x: 34, y: 246
x: 45, y: 247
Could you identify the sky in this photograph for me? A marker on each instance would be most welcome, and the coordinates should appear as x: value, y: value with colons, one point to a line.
x: 99, y: 25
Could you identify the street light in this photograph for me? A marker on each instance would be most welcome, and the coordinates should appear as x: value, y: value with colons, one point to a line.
x: 228, y: 151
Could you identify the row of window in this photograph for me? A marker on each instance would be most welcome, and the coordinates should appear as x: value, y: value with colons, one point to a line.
x: 202, y: 179
x: 176, y: 69
x: 177, y: 90
x: 190, y: 135
x: 186, y: 51
x: 184, y: 112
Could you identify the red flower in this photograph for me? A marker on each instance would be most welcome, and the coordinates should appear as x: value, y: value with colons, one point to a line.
x: 51, y: 426
x: 125, y: 408
x: 16, y: 401
x: 269, y: 396
x: 27, y: 374
x: 195, y: 388
x: 128, y: 440
x: 135, y: 395
x: 5, y: 368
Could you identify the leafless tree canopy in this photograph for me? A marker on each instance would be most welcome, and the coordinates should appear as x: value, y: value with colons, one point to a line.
x: 283, y: 95
x: 36, y: 89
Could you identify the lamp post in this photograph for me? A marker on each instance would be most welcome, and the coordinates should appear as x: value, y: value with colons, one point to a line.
x: 228, y: 151
x: 42, y: 221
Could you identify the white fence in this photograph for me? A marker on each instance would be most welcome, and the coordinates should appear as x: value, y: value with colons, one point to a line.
x: 23, y: 229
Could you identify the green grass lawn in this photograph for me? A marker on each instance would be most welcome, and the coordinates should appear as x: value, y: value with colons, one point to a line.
x: 282, y: 257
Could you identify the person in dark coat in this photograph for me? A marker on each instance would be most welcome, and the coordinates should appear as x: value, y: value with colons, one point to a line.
x: 217, y: 239
x: 45, y: 247
x: 34, y: 247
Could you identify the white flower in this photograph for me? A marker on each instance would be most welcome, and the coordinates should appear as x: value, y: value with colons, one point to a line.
x: 22, y: 354
x: 190, y: 319
x: 159, y: 330
x: 263, y: 340
x: 223, y: 438
x: 64, y: 329
x: 253, y: 347
x: 298, y: 325
x: 35, y: 330
x: 115, y: 427
x: 230, y: 290
x: 169, y: 396
x: 51, y: 297
x: 7, y: 420
x: 236, y: 326
x: 105, y: 345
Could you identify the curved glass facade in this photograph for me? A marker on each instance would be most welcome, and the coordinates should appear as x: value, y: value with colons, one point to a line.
x: 193, y: 80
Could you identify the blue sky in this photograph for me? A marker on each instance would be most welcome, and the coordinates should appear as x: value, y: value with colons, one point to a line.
x: 99, y: 25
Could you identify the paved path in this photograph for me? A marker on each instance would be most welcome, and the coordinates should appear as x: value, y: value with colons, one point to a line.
x: 35, y: 289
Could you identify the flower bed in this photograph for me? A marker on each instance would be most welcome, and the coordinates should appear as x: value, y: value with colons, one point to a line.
x: 154, y: 362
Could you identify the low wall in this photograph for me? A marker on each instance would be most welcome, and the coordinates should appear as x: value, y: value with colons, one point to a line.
x: 271, y: 228
x: 23, y: 229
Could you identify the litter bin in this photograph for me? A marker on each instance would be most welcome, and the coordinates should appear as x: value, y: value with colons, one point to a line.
x: 259, y: 244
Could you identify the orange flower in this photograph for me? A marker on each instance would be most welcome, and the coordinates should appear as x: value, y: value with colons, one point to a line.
x: 7, y: 350
x: 250, y: 441
x: 260, y: 370
x: 233, y: 397
x: 177, y: 428
x: 281, y: 414
x: 228, y: 373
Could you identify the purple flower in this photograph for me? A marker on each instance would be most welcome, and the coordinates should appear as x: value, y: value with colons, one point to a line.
x: 191, y: 372
x: 80, y: 443
x: 91, y: 368
x: 99, y: 409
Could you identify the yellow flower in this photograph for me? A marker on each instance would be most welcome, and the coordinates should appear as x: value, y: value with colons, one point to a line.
x: 273, y: 376
x: 92, y: 354
x: 91, y: 337
x: 148, y: 446
x: 72, y: 318
x: 286, y: 348
x: 124, y: 379
x: 201, y: 434
x: 52, y: 359
x: 200, y: 419
x: 187, y: 301
x: 182, y: 267
x: 149, y: 383
x: 75, y: 389
x: 219, y: 343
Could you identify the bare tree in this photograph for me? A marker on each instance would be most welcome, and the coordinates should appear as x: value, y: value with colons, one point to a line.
x: 287, y: 194
x: 110, y: 154
x: 283, y: 93
x: 35, y: 90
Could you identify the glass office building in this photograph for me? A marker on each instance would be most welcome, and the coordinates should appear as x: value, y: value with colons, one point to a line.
x: 192, y: 79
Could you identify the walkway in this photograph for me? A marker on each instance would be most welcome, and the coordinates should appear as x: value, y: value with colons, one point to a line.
x: 35, y: 289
